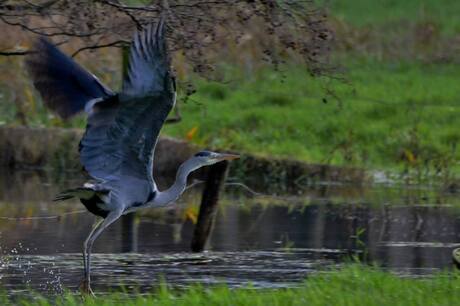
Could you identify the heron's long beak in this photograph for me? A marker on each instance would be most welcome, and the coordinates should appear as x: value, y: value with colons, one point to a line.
x: 225, y: 156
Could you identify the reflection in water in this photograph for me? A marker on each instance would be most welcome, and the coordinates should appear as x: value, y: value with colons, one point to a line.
x: 265, y: 241
x: 145, y: 271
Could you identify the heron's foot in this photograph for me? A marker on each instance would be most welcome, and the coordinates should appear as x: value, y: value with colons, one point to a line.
x: 85, y: 288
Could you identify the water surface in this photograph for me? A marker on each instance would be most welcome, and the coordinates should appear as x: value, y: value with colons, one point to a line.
x: 267, y: 241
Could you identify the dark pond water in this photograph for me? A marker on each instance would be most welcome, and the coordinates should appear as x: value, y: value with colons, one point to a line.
x: 268, y: 241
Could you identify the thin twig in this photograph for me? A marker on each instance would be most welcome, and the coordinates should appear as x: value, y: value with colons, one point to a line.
x: 14, y: 53
x: 116, y: 44
x: 248, y: 189
x: 177, y: 116
x: 43, y: 217
x: 123, y: 10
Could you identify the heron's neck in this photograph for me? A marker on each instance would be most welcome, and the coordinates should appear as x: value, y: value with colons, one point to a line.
x: 171, y: 194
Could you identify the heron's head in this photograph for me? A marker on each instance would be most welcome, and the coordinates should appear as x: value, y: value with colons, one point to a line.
x: 205, y: 158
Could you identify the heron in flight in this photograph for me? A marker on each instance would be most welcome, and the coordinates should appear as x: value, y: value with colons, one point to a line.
x: 122, y: 129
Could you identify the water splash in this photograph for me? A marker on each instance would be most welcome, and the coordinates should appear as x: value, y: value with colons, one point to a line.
x: 24, y: 271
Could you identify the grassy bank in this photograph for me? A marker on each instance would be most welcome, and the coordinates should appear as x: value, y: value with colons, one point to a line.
x: 397, y: 108
x: 400, y: 115
x: 363, y: 13
x: 354, y: 285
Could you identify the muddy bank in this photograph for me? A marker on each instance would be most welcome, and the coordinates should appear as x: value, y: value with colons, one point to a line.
x: 57, y: 149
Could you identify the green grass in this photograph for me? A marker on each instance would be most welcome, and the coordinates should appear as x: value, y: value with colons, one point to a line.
x: 365, y: 13
x: 354, y: 285
x: 400, y: 110
x: 392, y: 115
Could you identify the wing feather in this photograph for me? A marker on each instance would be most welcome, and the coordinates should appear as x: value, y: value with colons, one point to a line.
x: 122, y: 132
x: 65, y: 86
x: 148, y: 63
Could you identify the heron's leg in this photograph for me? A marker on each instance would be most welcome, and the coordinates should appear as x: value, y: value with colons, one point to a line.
x: 85, y: 244
x: 111, y: 217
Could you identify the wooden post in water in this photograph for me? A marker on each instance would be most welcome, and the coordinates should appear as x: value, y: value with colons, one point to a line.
x: 208, y: 208
x: 128, y: 233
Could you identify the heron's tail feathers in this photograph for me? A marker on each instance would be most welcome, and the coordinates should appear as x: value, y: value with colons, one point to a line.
x: 62, y: 196
x: 81, y: 193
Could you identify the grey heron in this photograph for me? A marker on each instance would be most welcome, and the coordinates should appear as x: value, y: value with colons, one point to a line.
x: 122, y: 129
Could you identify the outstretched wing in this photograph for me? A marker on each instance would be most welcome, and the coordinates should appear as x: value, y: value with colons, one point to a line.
x: 149, y: 63
x: 65, y: 86
x: 121, y: 134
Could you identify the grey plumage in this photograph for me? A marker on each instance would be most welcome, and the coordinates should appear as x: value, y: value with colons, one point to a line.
x: 58, y: 78
x: 121, y: 133
x: 122, y: 128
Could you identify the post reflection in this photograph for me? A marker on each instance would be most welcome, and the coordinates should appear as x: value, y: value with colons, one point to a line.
x: 322, y: 222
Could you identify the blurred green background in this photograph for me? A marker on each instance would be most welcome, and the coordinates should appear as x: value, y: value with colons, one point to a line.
x: 392, y: 103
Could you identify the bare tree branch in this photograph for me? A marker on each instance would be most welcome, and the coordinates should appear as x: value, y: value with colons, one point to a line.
x: 14, y: 53
x: 117, y: 44
x: 202, y: 31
